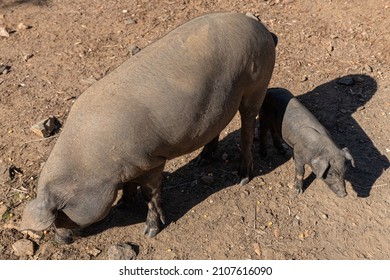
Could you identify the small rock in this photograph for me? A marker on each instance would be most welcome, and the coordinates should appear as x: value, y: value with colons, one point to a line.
x: 368, y: 68
x: 277, y: 232
x: 262, y: 182
x: 207, y: 179
x: 32, y: 234
x: 3, y: 209
x: 22, y: 26
x: 324, y: 216
x: 121, y: 252
x: 3, y: 32
x: 290, y: 185
x: 93, y: 251
x: 27, y: 56
x: 130, y: 21
x: 23, y: 247
x: 330, y: 48
x: 346, y: 81
x: 134, y: 49
x: 257, y: 249
x: 225, y: 156
x: 304, y: 78
x: 45, y: 127
x: 4, y: 69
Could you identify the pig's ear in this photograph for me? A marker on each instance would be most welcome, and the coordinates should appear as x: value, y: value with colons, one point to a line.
x: 39, y: 214
x: 320, y: 165
x: 348, y: 156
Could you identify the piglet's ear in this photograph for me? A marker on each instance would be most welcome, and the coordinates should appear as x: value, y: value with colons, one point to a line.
x: 319, y: 164
x: 348, y: 156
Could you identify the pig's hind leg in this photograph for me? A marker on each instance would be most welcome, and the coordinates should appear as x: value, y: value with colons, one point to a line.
x: 277, y: 141
x: 207, y: 154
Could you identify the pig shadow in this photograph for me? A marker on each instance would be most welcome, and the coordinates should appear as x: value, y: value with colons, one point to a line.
x: 333, y: 103
x: 191, y: 184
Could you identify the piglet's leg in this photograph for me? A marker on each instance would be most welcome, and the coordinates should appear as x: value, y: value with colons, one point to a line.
x: 151, y: 192
x: 299, y: 173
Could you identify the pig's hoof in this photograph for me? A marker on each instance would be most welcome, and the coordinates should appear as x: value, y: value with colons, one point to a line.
x: 298, y: 191
x: 244, y: 181
x: 151, y: 232
x: 61, y: 239
x: 204, y: 160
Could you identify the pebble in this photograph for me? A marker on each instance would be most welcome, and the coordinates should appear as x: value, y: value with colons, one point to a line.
x: 93, y: 251
x: 134, y: 49
x: 368, y: 68
x: 3, y: 32
x: 225, y: 156
x: 4, y: 69
x: 3, y: 209
x: 121, y: 252
x: 277, y: 232
x: 27, y: 56
x: 130, y: 21
x: 257, y: 249
x: 324, y: 216
x: 22, y: 26
x: 346, y: 81
x: 45, y: 127
x: 207, y: 179
x: 23, y: 247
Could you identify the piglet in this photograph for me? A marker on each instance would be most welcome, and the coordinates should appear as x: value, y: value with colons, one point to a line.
x: 288, y: 120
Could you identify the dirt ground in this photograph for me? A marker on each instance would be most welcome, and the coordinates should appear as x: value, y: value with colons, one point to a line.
x: 334, y: 55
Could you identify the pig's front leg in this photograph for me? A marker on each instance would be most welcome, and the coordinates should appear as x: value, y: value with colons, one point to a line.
x: 151, y: 192
x: 299, y: 173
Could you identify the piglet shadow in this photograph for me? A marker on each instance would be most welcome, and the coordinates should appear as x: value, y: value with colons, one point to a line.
x: 333, y: 104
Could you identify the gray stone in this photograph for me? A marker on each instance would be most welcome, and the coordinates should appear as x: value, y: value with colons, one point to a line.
x: 121, y: 252
x: 23, y: 247
x: 45, y: 127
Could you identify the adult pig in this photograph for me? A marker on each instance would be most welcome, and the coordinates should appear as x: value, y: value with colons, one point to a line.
x: 287, y: 119
x: 172, y: 98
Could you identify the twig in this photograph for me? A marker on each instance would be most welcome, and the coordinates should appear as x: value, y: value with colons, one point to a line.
x: 38, y: 140
x: 254, y: 222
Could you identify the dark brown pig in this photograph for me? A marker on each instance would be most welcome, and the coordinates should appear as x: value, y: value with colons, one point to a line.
x: 173, y: 97
x: 287, y: 119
